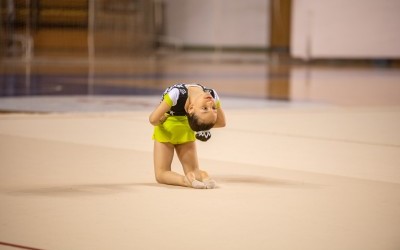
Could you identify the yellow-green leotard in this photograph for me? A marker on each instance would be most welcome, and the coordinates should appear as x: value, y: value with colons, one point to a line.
x: 176, y: 129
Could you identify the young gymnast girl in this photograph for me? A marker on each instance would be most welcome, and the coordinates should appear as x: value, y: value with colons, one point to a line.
x: 186, y: 112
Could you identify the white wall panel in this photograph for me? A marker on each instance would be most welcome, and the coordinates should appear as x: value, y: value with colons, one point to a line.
x: 218, y: 23
x: 345, y: 29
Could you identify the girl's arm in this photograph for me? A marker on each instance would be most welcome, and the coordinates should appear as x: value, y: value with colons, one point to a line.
x: 220, y: 119
x: 158, y: 116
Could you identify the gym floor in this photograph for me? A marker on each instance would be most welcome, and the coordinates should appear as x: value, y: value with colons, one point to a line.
x: 309, y: 158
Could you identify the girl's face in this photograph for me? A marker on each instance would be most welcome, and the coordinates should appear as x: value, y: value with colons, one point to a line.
x: 204, y: 107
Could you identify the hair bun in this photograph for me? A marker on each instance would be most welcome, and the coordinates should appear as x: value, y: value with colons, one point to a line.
x: 203, y: 135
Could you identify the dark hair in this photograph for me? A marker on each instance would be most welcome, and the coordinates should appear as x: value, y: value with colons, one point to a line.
x: 201, y: 129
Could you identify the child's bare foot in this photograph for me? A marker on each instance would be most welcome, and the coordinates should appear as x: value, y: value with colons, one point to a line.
x: 191, y: 181
x: 210, y: 183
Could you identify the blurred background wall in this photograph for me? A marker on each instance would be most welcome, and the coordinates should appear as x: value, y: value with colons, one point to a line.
x: 345, y: 29
x: 66, y: 28
x: 306, y: 28
x: 218, y: 23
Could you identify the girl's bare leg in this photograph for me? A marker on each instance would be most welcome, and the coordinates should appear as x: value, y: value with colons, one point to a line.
x: 163, y: 155
x: 187, y: 155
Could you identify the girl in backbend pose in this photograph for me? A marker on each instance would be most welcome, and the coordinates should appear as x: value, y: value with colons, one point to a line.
x: 186, y: 112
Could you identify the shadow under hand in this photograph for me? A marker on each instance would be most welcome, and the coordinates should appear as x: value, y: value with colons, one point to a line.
x: 257, y: 180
